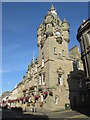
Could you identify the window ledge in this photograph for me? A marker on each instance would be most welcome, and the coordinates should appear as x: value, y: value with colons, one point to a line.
x: 42, y: 67
x: 55, y: 53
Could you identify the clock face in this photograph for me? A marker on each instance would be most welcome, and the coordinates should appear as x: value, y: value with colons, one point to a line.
x: 58, y: 33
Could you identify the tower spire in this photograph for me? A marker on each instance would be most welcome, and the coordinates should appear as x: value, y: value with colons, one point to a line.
x: 52, y: 7
x: 53, y: 10
x: 33, y: 55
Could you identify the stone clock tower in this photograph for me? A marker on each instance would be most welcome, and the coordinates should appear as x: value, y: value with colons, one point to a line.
x: 55, y: 32
x: 53, y: 39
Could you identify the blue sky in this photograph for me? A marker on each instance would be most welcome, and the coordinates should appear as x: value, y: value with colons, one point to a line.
x: 19, y: 34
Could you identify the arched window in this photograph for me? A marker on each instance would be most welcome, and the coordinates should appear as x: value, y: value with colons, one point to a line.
x: 60, y: 80
x: 56, y: 100
x: 54, y: 49
x: 43, y: 79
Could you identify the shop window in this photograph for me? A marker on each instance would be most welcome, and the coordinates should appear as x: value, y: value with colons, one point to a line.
x: 56, y: 100
x: 43, y: 62
x: 43, y: 78
x: 60, y: 80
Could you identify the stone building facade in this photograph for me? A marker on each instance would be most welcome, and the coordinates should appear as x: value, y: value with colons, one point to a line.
x: 83, y: 37
x: 53, y: 81
x: 4, y: 98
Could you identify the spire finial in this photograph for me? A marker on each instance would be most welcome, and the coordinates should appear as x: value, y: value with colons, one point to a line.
x: 53, y: 10
x: 41, y: 25
x: 52, y: 7
x: 64, y: 20
x: 32, y: 62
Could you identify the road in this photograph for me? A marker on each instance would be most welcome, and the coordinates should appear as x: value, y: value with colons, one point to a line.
x: 14, y: 114
x: 66, y: 115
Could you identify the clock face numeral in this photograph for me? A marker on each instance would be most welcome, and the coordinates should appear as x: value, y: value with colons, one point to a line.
x: 58, y: 33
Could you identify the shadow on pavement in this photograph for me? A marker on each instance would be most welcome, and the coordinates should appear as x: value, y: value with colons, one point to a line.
x: 13, y: 114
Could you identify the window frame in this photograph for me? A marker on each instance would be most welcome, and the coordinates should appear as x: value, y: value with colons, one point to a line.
x: 42, y: 62
x: 56, y: 100
x: 40, y: 79
x: 60, y: 79
x: 54, y: 49
x: 43, y: 79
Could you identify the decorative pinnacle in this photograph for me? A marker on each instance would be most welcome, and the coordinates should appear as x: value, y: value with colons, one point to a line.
x: 41, y: 25
x: 64, y: 20
x: 32, y: 62
x: 52, y: 7
x: 29, y: 67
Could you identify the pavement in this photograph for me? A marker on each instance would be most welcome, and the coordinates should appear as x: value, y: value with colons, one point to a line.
x: 65, y: 115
